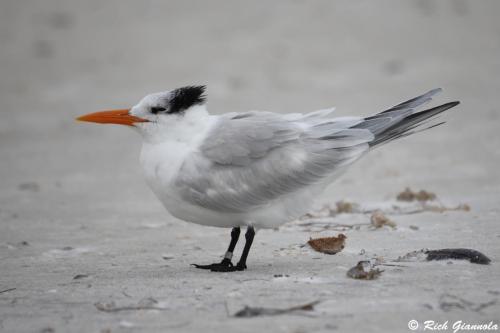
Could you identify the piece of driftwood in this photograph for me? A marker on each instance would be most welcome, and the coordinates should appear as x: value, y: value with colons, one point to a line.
x: 448, y: 302
x: 249, y: 311
x: 7, y: 290
x: 145, y: 304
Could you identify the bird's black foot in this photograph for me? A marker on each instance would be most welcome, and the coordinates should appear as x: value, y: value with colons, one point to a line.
x: 217, y: 267
x: 231, y: 268
x: 224, y: 266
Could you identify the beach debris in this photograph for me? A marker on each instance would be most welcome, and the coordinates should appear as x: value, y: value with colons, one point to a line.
x: 7, y: 290
x: 409, y: 195
x: 29, y: 186
x: 364, y: 270
x: 328, y: 245
x: 248, y: 312
x: 144, y: 304
x: 442, y: 209
x: 448, y: 302
x: 15, y: 246
x: 346, y: 207
x: 281, y: 275
x: 419, y: 255
x: 378, y: 220
x: 408, y: 202
x: 80, y: 276
x: 167, y: 256
x: 319, y: 225
x: 325, y: 211
x: 423, y: 197
x: 341, y: 207
x: 473, y: 256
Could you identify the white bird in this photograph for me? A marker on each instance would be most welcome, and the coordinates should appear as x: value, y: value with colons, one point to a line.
x: 253, y: 169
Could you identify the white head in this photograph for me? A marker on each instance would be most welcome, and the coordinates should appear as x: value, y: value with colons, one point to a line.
x: 158, y: 115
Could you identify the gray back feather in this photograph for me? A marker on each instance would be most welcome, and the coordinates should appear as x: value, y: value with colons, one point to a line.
x: 251, y: 159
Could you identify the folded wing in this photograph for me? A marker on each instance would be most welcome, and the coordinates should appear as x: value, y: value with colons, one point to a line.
x: 250, y: 159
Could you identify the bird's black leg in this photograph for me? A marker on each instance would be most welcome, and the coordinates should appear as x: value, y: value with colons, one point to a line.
x: 241, y: 265
x: 226, y: 262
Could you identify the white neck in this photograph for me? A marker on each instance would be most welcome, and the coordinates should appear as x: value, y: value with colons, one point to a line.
x: 166, y: 146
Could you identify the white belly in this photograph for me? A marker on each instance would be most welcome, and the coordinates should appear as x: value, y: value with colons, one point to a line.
x: 271, y: 215
x: 161, y: 164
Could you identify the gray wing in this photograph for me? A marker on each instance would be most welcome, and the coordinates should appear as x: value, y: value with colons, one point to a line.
x: 250, y: 159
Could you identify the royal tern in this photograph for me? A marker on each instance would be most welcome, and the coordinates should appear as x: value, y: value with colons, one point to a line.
x: 253, y: 169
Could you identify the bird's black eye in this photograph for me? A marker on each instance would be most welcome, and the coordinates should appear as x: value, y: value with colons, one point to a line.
x: 157, y: 109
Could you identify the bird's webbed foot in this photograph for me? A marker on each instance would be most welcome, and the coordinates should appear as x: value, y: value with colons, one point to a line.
x: 232, y: 268
x: 224, y: 266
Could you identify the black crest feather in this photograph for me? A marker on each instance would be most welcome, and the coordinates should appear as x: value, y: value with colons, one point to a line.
x: 185, y: 97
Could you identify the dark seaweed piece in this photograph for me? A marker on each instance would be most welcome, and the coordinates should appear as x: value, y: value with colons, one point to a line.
x: 473, y: 256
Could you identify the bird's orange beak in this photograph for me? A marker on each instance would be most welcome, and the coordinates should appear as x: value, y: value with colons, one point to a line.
x: 121, y: 117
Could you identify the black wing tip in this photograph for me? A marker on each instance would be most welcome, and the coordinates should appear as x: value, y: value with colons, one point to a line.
x: 411, y: 122
x: 450, y: 105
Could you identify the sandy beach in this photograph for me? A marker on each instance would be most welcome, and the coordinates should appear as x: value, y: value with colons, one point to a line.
x: 86, y: 247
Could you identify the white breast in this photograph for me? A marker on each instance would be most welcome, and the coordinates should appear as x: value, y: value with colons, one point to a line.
x: 163, y: 155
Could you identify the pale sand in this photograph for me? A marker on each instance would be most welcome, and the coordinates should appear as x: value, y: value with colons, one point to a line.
x: 66, y: 184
